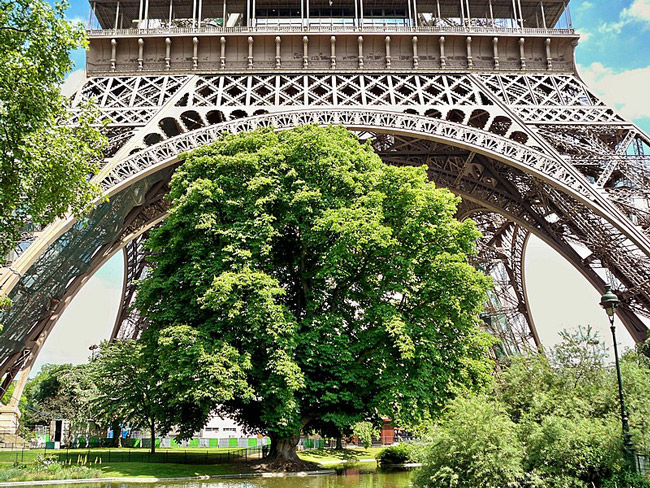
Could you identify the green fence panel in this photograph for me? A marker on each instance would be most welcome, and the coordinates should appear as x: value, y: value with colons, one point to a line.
x: 49, y: 445
x: 94, y: 442
x: 172, y: 442
x: 137, y: 442
x: 232, y: 442
x: 309, y: 443
x: 213, y: 442
x: 194, y: 443
x: 252, y: 442
x: 158, y: 442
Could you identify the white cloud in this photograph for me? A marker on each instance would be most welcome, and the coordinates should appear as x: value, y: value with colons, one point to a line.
x: 623, y: 90
x: 586, y: 5
x: 639, y: 10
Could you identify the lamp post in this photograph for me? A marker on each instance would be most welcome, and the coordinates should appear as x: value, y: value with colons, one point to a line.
x: 609, y: 301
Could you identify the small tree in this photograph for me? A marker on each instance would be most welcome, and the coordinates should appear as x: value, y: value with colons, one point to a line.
x: 126, y: 389
x: 151, y: 390
x: 365, y: 431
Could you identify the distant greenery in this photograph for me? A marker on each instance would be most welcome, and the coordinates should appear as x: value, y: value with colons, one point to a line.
x: 552, y: 421
x: 59, y: 391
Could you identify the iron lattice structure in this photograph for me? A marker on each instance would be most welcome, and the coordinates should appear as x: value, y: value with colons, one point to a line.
x: 491, y: 104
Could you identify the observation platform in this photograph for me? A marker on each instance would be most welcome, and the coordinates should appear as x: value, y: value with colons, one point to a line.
x: 128, y: 36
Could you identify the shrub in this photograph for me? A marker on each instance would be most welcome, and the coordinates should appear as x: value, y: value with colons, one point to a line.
x: 405, y: 452
x: 627, y: 480
x: 475, y: 445
x: 586, y: 449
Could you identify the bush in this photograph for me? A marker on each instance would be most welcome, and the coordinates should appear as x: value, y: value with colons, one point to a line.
x: 475, y: 445
x: 405, y: 452
x: 627, y: 480
x: 587, y: 449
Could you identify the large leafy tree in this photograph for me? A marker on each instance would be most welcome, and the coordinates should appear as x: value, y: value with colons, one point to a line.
x: 46, y: 154
x: 341, y: 283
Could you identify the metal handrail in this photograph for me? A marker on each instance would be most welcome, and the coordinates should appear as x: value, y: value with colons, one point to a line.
x: 317, y: 28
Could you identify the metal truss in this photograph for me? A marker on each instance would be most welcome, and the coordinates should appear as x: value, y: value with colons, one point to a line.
x: 529, y: 153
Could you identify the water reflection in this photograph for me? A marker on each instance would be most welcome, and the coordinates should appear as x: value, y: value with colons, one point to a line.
x: 349, y: 477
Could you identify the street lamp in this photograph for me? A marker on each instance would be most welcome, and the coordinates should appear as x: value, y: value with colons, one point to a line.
x: 609, y: 301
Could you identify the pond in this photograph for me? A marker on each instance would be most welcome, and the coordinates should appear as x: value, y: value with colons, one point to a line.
x: 349, y: 477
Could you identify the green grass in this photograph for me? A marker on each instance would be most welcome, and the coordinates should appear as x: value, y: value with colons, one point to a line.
x: 157, y: 469
x: 320, y: 455
x: 169, y: 470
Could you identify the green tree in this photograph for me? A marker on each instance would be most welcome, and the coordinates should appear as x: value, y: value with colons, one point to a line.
x: 342, y: 282
x: 46, y: 153
x: 59, y: 391
x: 130, y: 390
x: 365, y: 431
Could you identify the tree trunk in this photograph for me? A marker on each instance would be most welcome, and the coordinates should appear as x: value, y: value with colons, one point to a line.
x: 339, y: 444
x: 117, y: 434
x: 153, y: 436
x: 283, y: 450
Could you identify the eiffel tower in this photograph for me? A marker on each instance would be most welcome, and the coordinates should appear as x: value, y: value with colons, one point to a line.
x: 483, y: 92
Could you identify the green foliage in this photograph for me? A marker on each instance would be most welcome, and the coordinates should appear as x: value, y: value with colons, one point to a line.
x: 46, y: 154
x: 58, y: 391
x: 627, y: 479
x: 475, y: 444
x: 365, y: 431
x: 402, y: 453
x: 125, y: 387
x: 585, y: 449
x: 563, y: 409
x: 332, y: 283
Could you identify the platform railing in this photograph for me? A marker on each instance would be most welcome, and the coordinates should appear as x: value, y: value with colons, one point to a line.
x: 317, y: 28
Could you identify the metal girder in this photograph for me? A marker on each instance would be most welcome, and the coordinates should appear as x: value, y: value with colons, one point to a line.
x: 540, y: 150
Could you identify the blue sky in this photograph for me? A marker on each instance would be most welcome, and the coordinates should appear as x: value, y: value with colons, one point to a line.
x: 613, y: 58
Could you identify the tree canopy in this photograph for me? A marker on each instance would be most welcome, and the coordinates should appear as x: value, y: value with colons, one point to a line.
x: 46, y: 153
x: 338, y: 286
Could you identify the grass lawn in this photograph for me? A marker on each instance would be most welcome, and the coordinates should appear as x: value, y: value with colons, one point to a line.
x: 170, y: 470
x: 167, y: 469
